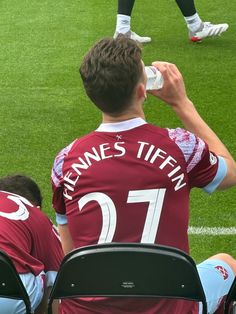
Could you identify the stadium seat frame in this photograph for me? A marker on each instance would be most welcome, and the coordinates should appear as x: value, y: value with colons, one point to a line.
x: 128, y: 270
x: 231, y: 297
x: 11, y: 285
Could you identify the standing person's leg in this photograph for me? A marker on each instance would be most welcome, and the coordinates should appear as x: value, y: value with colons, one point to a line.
x: 217, y: 274
x: 123, y: 21
x: 125, y: 7
x: 198, y: 29
x: 124, y: 16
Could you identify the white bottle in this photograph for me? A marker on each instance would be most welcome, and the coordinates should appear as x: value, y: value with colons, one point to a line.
x: 154, y: 78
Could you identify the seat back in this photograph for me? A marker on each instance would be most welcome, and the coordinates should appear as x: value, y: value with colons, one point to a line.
x: 128, y: 270
x: 230, y: 298
x: 11, y: 285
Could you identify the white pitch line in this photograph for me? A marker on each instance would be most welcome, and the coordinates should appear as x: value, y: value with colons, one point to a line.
x: 212, y: 231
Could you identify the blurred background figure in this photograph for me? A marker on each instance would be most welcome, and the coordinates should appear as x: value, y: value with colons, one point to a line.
x: 197, y: 29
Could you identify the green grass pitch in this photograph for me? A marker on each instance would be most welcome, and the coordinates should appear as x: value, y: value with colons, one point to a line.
x: 44, y: 107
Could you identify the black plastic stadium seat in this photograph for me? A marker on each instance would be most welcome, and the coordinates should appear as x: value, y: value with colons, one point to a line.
x: 230, y: 298
x: 11, y: 285
x: 107, y: 269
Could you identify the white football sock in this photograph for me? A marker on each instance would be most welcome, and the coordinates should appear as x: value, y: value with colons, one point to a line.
x: 122, y: 23
x: 193, y: 22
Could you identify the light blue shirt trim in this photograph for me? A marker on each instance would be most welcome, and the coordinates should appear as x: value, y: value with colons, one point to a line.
x: 61, y: 219
x: 50, y: 277
x: 221, y: 173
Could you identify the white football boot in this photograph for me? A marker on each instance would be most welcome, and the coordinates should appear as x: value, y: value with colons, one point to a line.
x: 136, y: 37
x: 207, y: 30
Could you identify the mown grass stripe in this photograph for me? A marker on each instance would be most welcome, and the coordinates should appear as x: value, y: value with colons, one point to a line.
x: 212, y: 230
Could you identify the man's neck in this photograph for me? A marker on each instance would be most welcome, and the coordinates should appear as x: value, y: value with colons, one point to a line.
x: 106, y: 118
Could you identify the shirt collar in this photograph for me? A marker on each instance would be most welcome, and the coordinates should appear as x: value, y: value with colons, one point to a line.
x: 121, y: 126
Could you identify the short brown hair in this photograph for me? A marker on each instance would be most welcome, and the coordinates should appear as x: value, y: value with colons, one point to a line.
x: 110, y: 71
x: 23, y: 186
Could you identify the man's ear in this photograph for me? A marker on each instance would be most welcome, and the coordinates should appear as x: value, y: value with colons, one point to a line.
x: 141, y: 91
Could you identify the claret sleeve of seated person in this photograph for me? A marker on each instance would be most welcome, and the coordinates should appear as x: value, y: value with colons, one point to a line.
x: 48, y: 247
x: 57, y: 180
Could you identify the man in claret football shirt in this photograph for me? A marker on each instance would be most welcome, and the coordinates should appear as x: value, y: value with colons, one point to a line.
x: 129, y: 181
x: 29, y: 238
